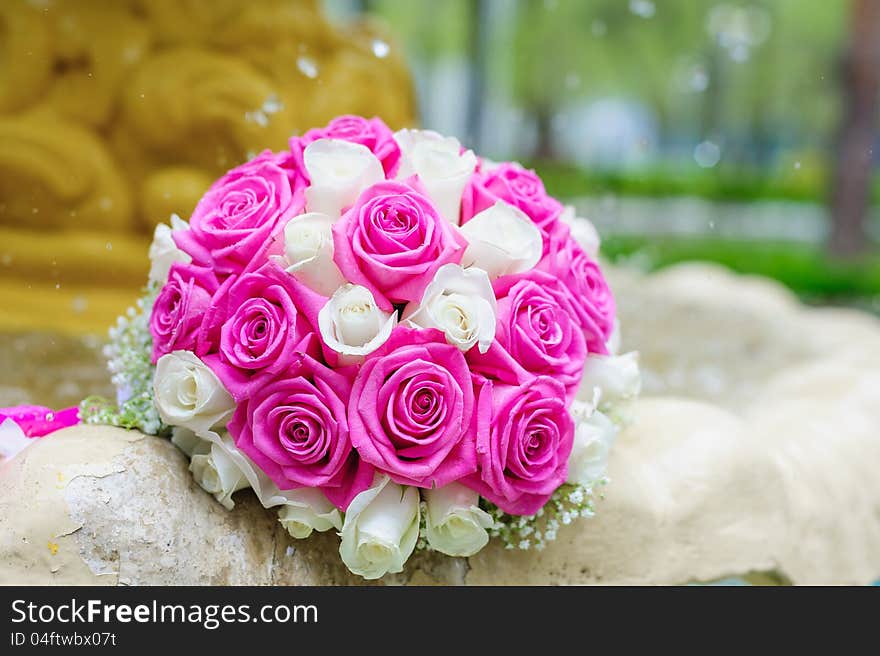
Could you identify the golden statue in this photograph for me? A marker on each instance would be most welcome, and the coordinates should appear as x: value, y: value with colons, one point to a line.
x: 113, y: 115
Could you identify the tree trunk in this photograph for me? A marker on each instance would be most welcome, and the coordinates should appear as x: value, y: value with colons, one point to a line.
x: 478, y: 51
x: 544, y: 150
x: 850, y: 193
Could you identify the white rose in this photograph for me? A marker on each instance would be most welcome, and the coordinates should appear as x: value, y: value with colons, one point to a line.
x: 308, y: 510
x: 308, y: 251
x: 613, y: 343
x: 187, y: 393
x: 455, y: 524
x: 593, y: 437
x: 339, y: 171
x: 211, y: 465
x: 616, y: 376
x: 441, y: 166
x: 267, y: 492
x: 461, y: 303
x: 380, y: 530
x: 308, y: 506
x: 502, y: 240
x: 164, y: 252
x: 352, y: 324
x: 188, y: 442
x: 12, y: 439
x: 217, y: 474
x: 582, y: 230
x: 489, y: 165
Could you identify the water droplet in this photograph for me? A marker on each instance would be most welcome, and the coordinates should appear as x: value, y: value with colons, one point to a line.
x: 108, y: 246
x: 57, y: 285
x: 738, y: 30
x: 272, y: 105
x: 642, y: 8
x: 598, y: 28
x: 380, y: 48
x: 797, y: 165
x: 739, y: 53
x: 130, y: 54
x: 691, y: 75
x: 259, y: 117
x: 106, y: 203
x: 307, y: 67
x: 707, y: 154
x: 79, y: 304
x: 35, y: 210
x: 699, y: 81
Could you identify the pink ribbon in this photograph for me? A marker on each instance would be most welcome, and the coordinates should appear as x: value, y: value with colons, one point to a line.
x: 36, y: 421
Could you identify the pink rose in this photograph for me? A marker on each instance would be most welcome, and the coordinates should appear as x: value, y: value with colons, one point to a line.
x: 270, y: 318
x: 37, y: 421
x: 590, y: 296
x: 234, y: 221
x: 177, y: 314
x: 515, y: 185
x: 524, y: 438
x: 371, y: 133
x: 536, y: 330
x: 294, y: 428
x: 392, y: 241
x: 412, y: 410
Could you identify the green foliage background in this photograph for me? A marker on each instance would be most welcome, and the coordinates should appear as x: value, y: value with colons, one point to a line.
x: 775, y: 113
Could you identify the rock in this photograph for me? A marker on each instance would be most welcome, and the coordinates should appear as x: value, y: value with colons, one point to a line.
x: 819, y: 422
x: 688, y: 501
x: 696, y: 495
x: 705, y: 332
x: 101, y: 505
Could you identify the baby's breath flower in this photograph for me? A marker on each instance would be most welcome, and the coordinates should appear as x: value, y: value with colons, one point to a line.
x: 128, y: 359
x: 422, y: 542
x: 534, y: 532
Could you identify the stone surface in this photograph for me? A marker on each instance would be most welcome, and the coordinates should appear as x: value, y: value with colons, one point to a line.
x: 696, y: 495
x: 100, y: 505
x: 768, y: 470
x: 705, y: 332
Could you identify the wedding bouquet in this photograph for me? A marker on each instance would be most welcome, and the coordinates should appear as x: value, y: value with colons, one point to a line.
x: 384, y: 335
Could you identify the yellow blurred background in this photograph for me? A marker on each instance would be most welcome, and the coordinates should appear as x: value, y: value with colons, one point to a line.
x: 114, y: 114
